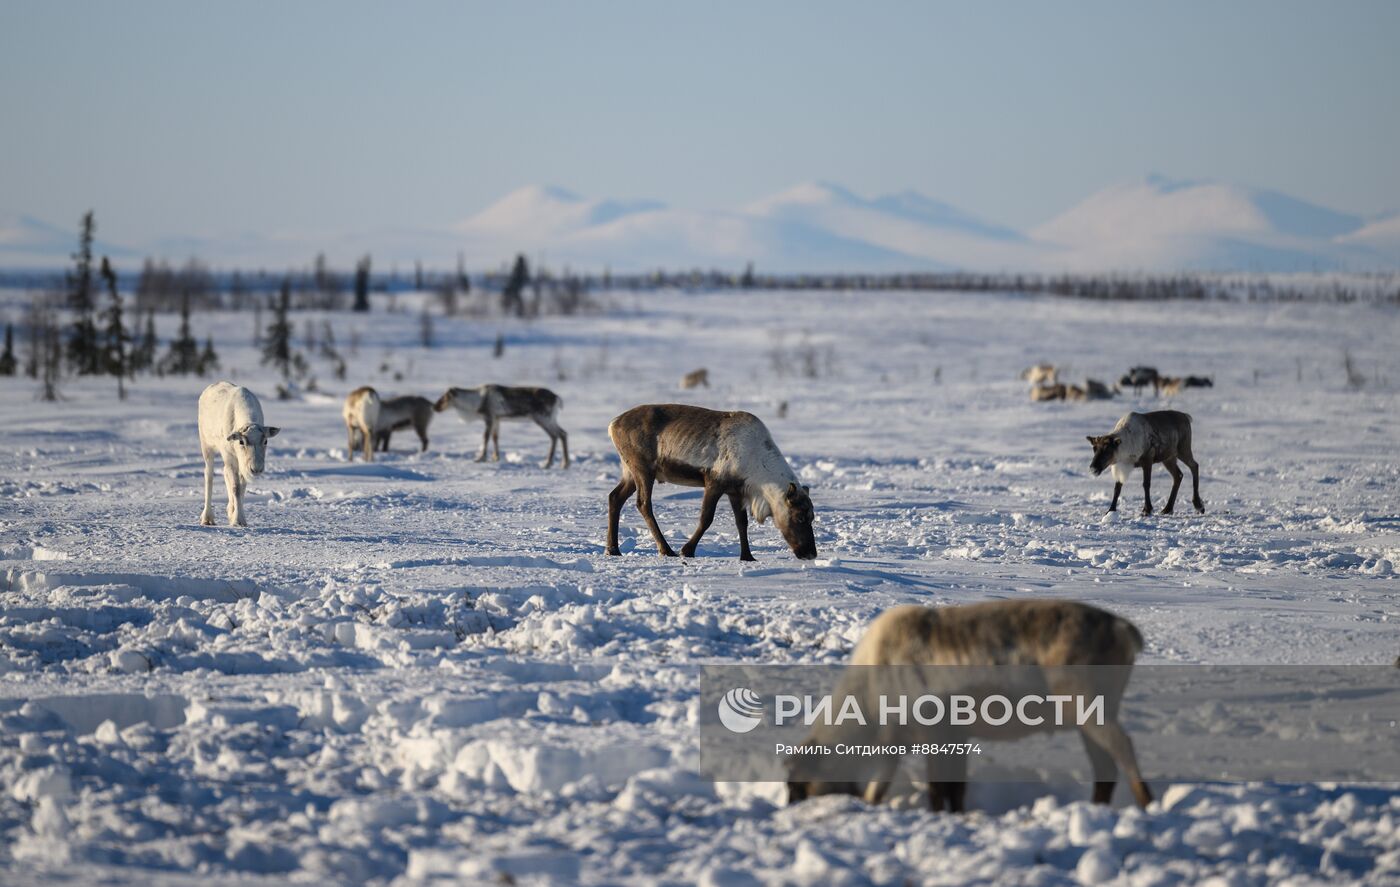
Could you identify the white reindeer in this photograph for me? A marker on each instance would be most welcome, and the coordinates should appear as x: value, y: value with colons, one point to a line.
x: 494, y: 403
x: 1009, y: 648
x: 729, y: 454
x: 361, y: 414
x: 231, y: 424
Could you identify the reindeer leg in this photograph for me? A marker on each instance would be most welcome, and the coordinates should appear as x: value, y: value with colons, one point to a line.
x: 1105, y: 771
x: 368, y: 434
x: 877, y: 788
x: 351, y: 444
x: 553, y: 441
x: 496, y: 438
x: 616, y: 499
x: 1175, y: 471
x: 644, y: 486
x: 485, y: 442
x: 1190, y: 461
x: 707, y: 517
x: 563, y: 442
x: 1110, y: 737
x: 235, y: 507
x: 1117, y: 490
x: 422, y: 436
x: 1147, y: 489
x: 206, y: 517
x: 741, y: 522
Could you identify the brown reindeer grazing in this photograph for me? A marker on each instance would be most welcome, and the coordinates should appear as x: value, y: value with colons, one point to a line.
x: 1167, y: 386
x: 1198, y: 382
x: 1049, y: 392
x: 728, y: 454
x: 1140, y: 440
x: 696, y: 379
x: 496, y: 403
x: 1011, y: 648
x: 396, y: 413
x: 361, y: 414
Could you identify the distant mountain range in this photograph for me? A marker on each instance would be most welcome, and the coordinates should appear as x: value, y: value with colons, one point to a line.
x: 1154, y: 224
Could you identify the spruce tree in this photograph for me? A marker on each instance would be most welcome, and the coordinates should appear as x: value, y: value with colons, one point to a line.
x: 208, y: 358
x: 83, y: 352
x: 7, y: 357
x: 362, y: 284
x: 114, y: 354
x: 183, y: 356
x: 277, y: 344
x: 143, y: 355
x: 513, y: 296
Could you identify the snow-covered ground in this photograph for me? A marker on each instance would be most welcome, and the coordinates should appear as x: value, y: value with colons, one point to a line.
x: 425, y: 668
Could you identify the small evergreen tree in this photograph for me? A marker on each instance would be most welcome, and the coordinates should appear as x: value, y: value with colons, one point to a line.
x: 7, y: 357
x: 143, y: 354
x: 114, y: 355
x: 183, y: 356
x: 84, y: 355
x: 513, y: 296
x: 362, y: 284
x: 277, y: 344
x: 208, y: 358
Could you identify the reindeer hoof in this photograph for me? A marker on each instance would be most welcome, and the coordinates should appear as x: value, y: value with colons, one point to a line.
x: 1167, y: 510
x: 206, y: 520
x: 1147, y: 511
x: 667, y: 552
x: 747, y: 557
x: 1200, y: 507
x: 688, y: 551
x: 614, y: 552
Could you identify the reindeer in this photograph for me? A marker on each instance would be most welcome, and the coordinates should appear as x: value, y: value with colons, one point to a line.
x: 1011, y: 648
x: 696, y: 379
x: 1041, y: 374
x: 397, y: 413
x: 1167, y: 386
x: 1198, y: 382
x: 361, y: 414
x: 231, y: 424
x: 1140, y: 440
x: 1138, y: 377
x: 1096, y: 390
x: 728, y: 454
x: 1049, y: 392
x: 496, y: 403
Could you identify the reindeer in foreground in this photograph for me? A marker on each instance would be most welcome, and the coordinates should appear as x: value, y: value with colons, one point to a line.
x: 1140, y: 440
x: 361, y: 414
x: 1011, y: 648
x: 231, y: 424
x: 728, y: 454
x: 396, y: 413
x: 495, y: 403
x: 696, y: 379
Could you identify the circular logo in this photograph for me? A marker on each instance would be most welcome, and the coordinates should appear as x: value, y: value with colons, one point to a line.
x: 740, y: 710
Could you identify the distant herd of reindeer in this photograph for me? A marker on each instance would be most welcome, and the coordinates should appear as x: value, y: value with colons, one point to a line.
x: 1046, y: 385
x: 731, y: 454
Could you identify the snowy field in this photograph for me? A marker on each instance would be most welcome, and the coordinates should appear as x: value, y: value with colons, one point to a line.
x: 426, y: 669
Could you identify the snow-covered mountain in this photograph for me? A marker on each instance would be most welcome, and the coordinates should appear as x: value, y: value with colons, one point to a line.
x: 1154, y: 224
x: 1158, y: 224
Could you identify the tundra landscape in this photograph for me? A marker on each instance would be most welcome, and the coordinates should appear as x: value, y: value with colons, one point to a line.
x: 425, y: 667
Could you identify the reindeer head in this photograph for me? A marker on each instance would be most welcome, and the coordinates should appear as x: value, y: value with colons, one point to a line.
x: 807, y: 778
x: 250, y: 446
x: 794, y: 521
x: 1105, y: 448
x: 466, y: 400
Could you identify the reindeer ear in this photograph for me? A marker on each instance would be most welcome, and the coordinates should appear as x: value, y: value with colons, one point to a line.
x: 1089, y: 438
x: 792, y: 486
x: 271, y: 430
x: 236, y: 437
x: 806, y: 489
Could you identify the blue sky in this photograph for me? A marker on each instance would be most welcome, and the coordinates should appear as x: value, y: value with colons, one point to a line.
x: 197, y: 118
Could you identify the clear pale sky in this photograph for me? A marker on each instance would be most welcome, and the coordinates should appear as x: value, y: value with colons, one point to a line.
x: 178, y: 118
